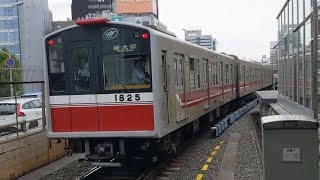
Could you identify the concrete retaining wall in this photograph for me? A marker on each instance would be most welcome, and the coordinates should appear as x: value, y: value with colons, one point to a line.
x: 22, y: 156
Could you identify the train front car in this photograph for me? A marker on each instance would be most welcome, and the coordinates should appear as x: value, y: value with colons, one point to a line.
x: 100, y: 88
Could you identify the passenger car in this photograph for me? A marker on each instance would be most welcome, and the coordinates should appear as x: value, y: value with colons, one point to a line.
x: 24, y: 108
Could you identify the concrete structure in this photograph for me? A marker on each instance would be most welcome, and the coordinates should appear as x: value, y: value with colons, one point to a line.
x: 273, y: 56
x: 24, y: 155
x: 196, y: 37
x: 35, y: 22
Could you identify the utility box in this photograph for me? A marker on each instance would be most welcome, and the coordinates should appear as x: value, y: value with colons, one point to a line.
x: 290, y: 148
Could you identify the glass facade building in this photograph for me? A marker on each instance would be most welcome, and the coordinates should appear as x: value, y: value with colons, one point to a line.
x: 9, y: 27
x: 297, y: 71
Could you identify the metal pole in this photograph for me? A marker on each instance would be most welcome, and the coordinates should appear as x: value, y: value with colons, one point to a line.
x: 17, y: 116
x: 43, y: 102
x: 11, y: 85
x: 315, y: 61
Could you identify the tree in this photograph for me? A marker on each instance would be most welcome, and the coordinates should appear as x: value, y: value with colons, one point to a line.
x: 5, y: 74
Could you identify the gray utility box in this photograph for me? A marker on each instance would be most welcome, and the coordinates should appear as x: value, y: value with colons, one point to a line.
x: 290, y: 148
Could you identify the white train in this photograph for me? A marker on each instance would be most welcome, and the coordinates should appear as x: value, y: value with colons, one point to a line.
x: 130, y: 92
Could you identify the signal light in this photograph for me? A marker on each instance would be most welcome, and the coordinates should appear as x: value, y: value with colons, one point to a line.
x: 145, y: 36
x: 51, y: 42
x: 92, y: 21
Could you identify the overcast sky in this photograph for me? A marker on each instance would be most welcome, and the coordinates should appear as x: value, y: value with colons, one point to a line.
x: 242, y: 27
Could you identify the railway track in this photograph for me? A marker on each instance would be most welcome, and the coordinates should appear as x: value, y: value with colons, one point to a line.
x: 165, y: 167
x: 160, y: 171
x: 102, y: 173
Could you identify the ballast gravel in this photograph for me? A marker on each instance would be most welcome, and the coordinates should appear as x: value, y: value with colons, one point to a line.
x: 70, y: 172
x: 247, y: 166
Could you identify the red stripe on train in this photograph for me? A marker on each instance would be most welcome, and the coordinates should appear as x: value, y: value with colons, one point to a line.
x: 102, y: 118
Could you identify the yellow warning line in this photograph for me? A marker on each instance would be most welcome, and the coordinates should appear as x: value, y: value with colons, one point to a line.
x: 209, y: 160
x: 205, y: 167
x: 199, y: 177
x: 213, y: 153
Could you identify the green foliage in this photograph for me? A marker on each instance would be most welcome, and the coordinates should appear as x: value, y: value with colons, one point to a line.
x: 5, y: 74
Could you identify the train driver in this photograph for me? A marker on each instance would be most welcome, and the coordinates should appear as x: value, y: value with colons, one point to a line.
x: 138, y: 74
x: 83, y: 78
x: 83, y: 71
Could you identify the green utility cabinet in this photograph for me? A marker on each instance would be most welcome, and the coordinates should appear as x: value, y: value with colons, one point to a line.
x: 290, y: 146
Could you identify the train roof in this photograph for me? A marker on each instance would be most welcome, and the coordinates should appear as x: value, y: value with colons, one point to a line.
x: 167, y: 34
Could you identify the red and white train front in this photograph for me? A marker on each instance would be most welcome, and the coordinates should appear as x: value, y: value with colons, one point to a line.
x: 99, y: 84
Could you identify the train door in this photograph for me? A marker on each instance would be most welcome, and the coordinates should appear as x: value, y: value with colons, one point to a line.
x: 206, y: 83
x: 232, y: 79
x: 181, y: 103
x: 81, y: 65
x: 165, y: 80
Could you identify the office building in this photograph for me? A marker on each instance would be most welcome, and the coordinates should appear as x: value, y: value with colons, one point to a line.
x: 273, y: 56
x: 34, y: 23
x: 142, y: 12
x: 82, y: 8
x: 196, y: 37
x: 9, y: 27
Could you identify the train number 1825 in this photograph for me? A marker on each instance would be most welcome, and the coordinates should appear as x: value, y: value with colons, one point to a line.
x: 127, y: 98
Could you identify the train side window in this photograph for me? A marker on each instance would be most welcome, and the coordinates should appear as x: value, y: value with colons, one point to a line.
x: 234, y: 74
x: 226, y: 74
x: 206, y: 71
x: 179, y: 71
x: 231, y: 72
x: 214, y: 73
x: 197, y: 73
x: 57, y: 68
x: 175, y: 66
x: 164, y: 70
x: 194, y: 73
x: 243, y: 73
x: 247, y: 74
x: 220, y: 73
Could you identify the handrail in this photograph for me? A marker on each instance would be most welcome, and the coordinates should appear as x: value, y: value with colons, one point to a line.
x: 3, y: 126
x: 27, y: 82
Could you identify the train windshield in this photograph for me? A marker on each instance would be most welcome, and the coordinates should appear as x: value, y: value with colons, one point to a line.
x: 126, y: 59
x: 105, y: 59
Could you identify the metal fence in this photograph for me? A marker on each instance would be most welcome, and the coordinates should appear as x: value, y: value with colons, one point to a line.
x: 22, y: 109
